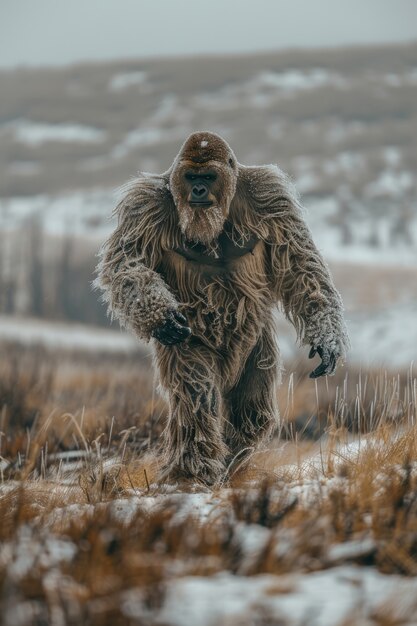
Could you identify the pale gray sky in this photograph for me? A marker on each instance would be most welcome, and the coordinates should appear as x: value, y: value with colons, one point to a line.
x: 55, y: 32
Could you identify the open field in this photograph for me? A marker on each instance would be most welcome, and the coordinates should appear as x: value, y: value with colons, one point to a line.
x: 320, y: 528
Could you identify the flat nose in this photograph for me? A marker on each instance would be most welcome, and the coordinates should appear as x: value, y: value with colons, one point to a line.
x: 200, y: 191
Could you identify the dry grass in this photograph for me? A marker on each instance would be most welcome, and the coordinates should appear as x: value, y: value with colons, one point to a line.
x: 115, y: 528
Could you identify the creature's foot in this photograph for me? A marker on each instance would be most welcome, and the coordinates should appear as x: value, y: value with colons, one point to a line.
x: 208, y: 471
x: 248, y: 438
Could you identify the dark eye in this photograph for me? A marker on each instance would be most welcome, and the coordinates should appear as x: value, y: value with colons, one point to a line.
x: 208, y: 177
x: 190, y: 176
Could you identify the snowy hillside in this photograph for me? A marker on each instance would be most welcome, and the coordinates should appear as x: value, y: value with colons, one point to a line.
x: 344, y: 125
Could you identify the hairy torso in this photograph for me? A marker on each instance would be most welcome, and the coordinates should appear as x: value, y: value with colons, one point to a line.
x: 225, y: 291
x: 225, y: 298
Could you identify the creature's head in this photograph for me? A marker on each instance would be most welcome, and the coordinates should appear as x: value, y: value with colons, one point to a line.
x: 203, y: 182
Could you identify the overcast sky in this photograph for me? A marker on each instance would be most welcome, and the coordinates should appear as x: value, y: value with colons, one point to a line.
x: 45, y: 32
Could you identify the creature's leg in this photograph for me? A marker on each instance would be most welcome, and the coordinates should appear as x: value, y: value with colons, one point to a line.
x: 193, y: 442
x: 252, y: 403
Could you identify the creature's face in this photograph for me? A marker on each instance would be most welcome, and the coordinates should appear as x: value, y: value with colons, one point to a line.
x: 203, y: 183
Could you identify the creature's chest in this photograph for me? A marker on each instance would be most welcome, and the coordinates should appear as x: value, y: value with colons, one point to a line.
x: 221, y: 300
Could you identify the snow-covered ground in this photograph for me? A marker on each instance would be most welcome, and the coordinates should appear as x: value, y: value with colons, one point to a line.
x: 337, y: 592
x: 68, y: 336
x: 386, y: 338
x: 326, y: 598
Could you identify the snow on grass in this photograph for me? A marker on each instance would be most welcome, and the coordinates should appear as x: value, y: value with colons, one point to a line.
x: 392, y: 183
x: 372, y: 231
x: 326, y: 598
x: 37, y: 133
x: 61, y: 335
x: 146, y: 136
x: 399, y: 80
x: 385, y: 338
x: 321, y: 587
x: 81, y: 213
x: 294, y: 80
x: 264, y: 89
x: 125, y: 80
x: 26, y: 552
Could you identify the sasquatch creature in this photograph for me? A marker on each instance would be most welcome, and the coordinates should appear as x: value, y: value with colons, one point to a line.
x: 201, y: 256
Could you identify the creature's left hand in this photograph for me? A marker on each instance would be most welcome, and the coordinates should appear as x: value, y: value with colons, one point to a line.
x: 328, y: 361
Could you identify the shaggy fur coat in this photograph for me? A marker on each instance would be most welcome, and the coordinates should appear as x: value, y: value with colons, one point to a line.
x: 238, y: 267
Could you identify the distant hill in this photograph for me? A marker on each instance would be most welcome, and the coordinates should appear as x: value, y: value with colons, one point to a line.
x: 327, y: 117
x: 343, y: 123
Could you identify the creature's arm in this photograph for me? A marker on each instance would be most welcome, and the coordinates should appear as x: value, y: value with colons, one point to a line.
x: 134, y: 292
x: 302, y: 283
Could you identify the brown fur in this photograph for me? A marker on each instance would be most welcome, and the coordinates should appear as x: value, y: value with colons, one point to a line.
x: 221, y: 381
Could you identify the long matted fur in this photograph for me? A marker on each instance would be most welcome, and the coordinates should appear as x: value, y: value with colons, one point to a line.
x: 221, y: 381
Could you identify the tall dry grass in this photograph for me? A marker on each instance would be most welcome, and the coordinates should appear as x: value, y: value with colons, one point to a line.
x: 80, y: 437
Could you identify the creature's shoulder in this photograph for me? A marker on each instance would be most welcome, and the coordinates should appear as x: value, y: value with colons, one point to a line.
x: 148, y: 195
x: 267, y: 189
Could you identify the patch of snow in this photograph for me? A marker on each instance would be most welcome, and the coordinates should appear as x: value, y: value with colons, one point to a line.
x: 344, y: 162
x: 124, y: 80
x: 37, y: 133
x: 350, y: 161
x: 80, y: 213
x: 387, y: 337
x: 326, y: 216
x: 266, y: 88
x: 67, y: 336
x: 307, y: 182
x: 252, y: 539
x: 145, y: 137
x: 390, y: 183
x: 331, y: 596
x: 399, y: 80
x: 198, y: 505
x: 392, y: 156
x: 27, y: 551
x: 350, y: 549
x: 169, y: 109
x: 340, y: 130
x: 298, y: 80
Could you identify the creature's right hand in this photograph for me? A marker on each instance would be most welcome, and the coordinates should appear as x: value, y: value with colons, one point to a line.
x: 173, y: 330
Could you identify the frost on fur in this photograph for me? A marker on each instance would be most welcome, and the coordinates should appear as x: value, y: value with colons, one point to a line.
x: 138, y: 297
x: 135, y: 294
x: 300, y: 279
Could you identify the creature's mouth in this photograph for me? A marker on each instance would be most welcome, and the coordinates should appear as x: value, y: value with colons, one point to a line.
x: 201, y: 204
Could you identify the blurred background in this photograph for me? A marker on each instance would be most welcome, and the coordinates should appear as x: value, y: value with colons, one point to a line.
x: 93, y: 92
